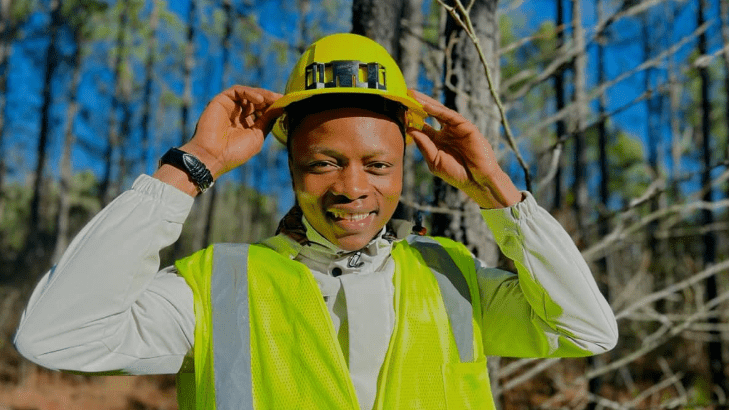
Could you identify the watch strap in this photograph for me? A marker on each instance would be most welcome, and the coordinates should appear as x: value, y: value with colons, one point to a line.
x: 199, y: 174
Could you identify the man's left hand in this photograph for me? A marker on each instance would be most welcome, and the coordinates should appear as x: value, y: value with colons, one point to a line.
x: 460, y: 155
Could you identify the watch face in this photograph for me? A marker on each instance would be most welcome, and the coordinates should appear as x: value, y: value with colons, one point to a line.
x: 199, y: 174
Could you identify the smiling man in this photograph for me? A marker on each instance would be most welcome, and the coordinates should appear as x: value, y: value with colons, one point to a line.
x: 338, y: 310
x: 347, y: 167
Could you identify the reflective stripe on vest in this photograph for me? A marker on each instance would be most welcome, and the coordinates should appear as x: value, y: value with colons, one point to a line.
x: 454, y: 289
x: 229, y: 289
x: 231, y: 329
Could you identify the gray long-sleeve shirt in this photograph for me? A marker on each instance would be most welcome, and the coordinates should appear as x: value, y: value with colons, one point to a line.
x: 106, y: 306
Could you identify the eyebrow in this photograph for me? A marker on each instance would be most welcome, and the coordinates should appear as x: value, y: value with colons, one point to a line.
x: 334, y: 153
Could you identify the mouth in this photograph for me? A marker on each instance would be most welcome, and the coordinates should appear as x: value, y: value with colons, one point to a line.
x: 340, y: 215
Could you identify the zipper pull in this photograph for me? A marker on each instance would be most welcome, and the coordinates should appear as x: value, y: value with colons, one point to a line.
x: 354, y: 261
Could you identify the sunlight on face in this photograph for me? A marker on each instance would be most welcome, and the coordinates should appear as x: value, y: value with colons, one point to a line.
x: 347, y: 169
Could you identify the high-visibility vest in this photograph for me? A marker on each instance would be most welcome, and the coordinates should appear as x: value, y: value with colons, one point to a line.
x: 264, y: 338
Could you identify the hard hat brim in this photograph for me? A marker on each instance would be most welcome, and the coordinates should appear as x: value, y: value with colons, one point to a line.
x: 416, y: 115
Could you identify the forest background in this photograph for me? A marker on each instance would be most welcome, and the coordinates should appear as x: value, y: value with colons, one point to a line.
x: 612, y: 112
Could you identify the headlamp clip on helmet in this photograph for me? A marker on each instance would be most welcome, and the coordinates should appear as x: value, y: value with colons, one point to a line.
x: 345, y: 73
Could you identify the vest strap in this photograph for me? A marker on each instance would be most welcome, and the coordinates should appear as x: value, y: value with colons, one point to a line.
x: 231, y: 327
x: 454, y: 290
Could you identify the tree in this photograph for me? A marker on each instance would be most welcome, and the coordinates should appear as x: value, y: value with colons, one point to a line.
x: 467, y: 91
x: 119, y: 99
x: 579, y: 120
x: 12, y: 14
x: 559, y: 92
x: 151, y: 39
x: 715, y: 346
x: 80, y: 15
x: 52, y: 60
x: 188, y: 65
x: 380, y: 21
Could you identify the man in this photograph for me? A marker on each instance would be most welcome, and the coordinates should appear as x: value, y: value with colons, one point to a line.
x: 335, y: 311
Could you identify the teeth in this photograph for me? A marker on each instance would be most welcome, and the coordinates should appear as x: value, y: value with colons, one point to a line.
x: 349, y: 216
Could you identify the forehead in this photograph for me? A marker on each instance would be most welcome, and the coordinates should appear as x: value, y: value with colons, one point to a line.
x: 346, y: 130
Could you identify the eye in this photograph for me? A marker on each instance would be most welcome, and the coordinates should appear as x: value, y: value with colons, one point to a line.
x: 379, y: 167
x: 322, y: 166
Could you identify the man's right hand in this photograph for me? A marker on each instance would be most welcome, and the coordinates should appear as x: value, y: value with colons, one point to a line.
x: 229, y: 132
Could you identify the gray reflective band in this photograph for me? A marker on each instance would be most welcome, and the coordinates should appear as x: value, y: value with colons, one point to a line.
x: 454, y: 290
x: 345, y: 73
x: 231, y: 329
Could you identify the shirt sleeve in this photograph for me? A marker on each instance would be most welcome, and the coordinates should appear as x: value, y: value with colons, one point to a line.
x: 552, y: 307
x: 105, y: 307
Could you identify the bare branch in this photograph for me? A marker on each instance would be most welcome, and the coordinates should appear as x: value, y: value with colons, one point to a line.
x: 682, y: 394
x: 528, y: 375
x: 653, y: 390
x: 621, y: 232
x: 462, y: 17
x: 553, y: 167
x: 657, y: 341
x: 663, y: 293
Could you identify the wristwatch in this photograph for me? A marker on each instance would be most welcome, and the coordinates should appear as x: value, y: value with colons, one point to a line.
x: 198, y: 172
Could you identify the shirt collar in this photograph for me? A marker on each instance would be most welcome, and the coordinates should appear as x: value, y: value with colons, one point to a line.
x: 317, y: 240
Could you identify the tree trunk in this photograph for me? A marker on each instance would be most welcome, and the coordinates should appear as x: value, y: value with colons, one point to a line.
x: 559, y: 92
x: 5, y: 42
x: 579, y: 120
x: 724, y: 14
x: 65, y: 191
x: 675, y: 91
x: 147, y: 152
x: 304, y: 40
x: 124, y: 131
x: 716, y: 360
x: 467, y: 92
x: 105, y: 193
x: 380, y: 21
x: 189, y: 64
x: 52, y: 59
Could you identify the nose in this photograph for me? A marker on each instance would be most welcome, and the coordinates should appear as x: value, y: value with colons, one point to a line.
x: 352, y: 182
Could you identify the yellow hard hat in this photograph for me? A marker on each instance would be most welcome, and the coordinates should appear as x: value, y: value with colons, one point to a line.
x: 347, y: 64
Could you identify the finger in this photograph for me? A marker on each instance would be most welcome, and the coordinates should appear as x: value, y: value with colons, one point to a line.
x: 439, y: 138
x: 267, y: 119
x: 256, y: 101
x: 437, y: 110
x: 259, y: 97
x: 248, y: 121
x: 425, y: 144
x: 269, y: 97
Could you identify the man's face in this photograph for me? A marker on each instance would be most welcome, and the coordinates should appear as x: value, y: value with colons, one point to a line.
x: 347, y: 167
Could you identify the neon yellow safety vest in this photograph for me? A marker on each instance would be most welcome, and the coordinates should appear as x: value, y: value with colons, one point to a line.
x: 264, y: 338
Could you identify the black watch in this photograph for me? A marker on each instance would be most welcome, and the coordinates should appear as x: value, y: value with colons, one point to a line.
x: 198, y: 172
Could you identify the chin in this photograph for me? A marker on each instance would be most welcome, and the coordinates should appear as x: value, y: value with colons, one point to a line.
x: 355, y: 242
